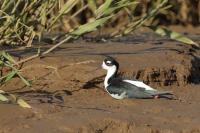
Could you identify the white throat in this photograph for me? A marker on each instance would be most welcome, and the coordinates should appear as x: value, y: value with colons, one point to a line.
x: 110, y: 72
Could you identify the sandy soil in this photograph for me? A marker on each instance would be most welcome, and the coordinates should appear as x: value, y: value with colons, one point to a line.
x: 67, y: 94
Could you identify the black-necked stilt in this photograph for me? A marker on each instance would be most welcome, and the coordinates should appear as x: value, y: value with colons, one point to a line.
x: 123, y: 88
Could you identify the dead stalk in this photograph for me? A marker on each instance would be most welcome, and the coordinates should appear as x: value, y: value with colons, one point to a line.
x: 44, y: 53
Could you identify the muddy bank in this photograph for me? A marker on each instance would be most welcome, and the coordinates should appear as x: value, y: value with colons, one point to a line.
x: 185, y: 72
x: 67, y: 92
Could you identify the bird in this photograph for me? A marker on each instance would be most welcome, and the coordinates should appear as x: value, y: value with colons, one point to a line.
x: 120, y: 88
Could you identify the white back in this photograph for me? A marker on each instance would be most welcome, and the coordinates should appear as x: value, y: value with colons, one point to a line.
x: 139, y: 84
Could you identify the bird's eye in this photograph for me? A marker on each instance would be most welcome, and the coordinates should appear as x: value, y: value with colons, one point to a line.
x: 108, y: 62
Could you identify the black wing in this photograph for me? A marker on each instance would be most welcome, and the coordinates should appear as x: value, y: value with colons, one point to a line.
x: 118, y: 86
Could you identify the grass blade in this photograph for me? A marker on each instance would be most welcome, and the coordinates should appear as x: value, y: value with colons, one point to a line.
x: 8, y: 57
x: 65, y: 9
x: 1, y: 62
x: 89, y: 26
x: 172, y: 35
x: 9, y: 76
x: 92, y: 5
x: 24, y: 80
x: 112, y: 9
x: 100, y: 11
x: 22, y: 103
x: 2, y: 97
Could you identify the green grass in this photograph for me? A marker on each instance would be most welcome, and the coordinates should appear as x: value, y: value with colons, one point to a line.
x: 8, y: 72
x: 22, y: 22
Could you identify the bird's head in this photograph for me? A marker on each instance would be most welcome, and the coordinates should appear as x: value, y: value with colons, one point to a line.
x: 109, y: 63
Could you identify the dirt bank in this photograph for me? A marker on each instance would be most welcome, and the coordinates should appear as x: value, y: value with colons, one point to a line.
x: 68, y: 96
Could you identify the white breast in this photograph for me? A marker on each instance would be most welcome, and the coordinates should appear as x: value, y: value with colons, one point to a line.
x: 119, y: 97
x: 139, y: 84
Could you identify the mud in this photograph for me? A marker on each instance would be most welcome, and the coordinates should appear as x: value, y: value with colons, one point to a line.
x: 67, y: 94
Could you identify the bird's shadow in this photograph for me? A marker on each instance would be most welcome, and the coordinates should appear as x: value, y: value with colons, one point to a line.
x: 93, y: 83
x: 43, y: 96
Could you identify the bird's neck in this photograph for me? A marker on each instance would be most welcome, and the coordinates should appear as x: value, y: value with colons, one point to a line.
x: 111, y: 73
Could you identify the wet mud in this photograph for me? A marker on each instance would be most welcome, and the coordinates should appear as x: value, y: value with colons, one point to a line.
x: 67, y: 93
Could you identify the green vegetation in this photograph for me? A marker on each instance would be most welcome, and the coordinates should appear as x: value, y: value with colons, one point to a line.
x: 23, y: 21
x: 8, y: 71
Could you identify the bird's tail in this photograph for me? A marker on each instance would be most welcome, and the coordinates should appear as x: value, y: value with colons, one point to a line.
x: 162, y: 94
